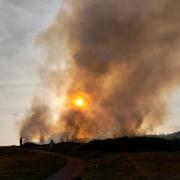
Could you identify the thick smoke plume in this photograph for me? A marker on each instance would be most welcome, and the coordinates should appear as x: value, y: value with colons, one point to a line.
x: 122, y: 55
x: 36, y: 125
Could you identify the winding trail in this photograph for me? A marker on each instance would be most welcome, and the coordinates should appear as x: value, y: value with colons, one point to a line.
x: 72, y: 170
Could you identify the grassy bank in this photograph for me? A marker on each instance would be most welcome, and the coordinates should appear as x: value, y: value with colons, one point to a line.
x: 126, y: 158
x: 21, y: 163
x: 137, y: 165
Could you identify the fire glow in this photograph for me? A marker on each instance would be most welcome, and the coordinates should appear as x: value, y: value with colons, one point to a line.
x: 118, y: 67
x: 79, y: 102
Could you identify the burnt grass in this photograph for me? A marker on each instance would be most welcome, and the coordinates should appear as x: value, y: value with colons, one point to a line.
x: 18, y: 163
x: 134, y: 144
x: 120, y: 158
x: 126, y: 157
x: 124, y: 144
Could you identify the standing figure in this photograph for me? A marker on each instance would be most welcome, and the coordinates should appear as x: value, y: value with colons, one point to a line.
x: 21, y: 141
x: 51, y: 143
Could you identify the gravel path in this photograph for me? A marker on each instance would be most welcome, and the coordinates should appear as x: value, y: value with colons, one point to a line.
x: 71, y: 171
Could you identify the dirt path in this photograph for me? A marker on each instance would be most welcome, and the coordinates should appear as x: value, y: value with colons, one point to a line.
x: 73, y: 169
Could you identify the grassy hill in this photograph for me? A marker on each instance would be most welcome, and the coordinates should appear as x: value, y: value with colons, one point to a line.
x: 126, y: 158
x: 21, y: 163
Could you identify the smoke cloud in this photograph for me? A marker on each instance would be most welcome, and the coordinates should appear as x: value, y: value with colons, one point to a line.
x: 36, y: 125
x: 121, y: 55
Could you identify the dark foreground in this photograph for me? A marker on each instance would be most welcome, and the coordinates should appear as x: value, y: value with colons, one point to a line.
x: 144, y: 165
x: 126, y: 158
x: 21, y: 163
x: 112, y: 159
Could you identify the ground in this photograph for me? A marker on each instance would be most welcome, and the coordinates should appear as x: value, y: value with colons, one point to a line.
x: 89, y: 163
x: 137, y: 165
x: 19, y: 163
x: 117, y: 165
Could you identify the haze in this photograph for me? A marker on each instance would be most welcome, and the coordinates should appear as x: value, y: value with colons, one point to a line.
x: 20, y: 59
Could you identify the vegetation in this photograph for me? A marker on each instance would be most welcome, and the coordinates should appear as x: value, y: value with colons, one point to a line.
x: 121, y: 158
x: 133, y: 144
x: 126, y: 158
x: 137, y: 165
x: 20, y: 163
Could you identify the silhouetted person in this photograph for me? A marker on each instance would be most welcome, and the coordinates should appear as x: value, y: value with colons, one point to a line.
x: 21, y: 141
x: 51, y: 143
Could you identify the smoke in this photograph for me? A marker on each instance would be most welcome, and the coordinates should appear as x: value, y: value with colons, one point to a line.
x: 36, y: 126
x: 122, y: 54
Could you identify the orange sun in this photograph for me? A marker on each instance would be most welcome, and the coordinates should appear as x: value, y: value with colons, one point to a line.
x: 79, y: 101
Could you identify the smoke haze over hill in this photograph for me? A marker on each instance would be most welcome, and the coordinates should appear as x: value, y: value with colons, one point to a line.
x: 120, y: 56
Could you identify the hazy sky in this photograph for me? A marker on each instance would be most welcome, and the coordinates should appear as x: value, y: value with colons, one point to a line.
x: 20, y: 22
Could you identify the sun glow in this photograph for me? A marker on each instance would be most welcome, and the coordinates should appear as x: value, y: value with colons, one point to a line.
x: 79, y: 102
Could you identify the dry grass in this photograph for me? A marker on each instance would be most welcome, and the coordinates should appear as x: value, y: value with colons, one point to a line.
x: 147, y: 165
x: 20, y: 163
